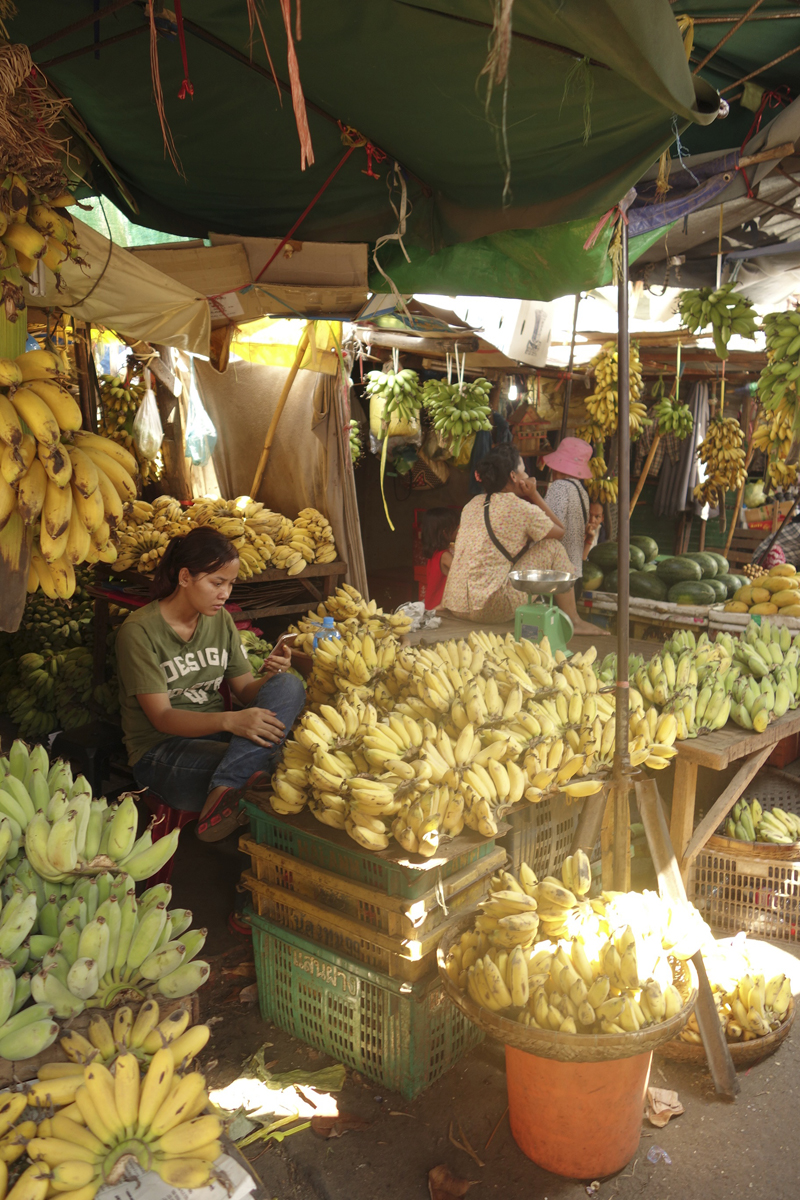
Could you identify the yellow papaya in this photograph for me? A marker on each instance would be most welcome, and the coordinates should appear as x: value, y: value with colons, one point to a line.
x: 764, y: 610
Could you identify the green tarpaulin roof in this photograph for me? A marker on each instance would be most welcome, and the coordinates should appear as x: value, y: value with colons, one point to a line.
x: 405, y: 74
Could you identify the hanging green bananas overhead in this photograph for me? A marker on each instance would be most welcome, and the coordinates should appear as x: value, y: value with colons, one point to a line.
x: 458, y: 410
x: 726, y: 311
x: 674, y: 418
x: 400, y: 390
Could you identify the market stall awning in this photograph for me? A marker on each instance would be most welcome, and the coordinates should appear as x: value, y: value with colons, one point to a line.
x: 593, y: 94
x: 116, y: 289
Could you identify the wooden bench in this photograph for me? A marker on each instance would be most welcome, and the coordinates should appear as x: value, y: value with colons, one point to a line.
x: 744, y: 545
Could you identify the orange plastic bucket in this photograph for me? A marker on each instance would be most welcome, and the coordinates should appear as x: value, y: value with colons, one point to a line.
x: 582, y: 1120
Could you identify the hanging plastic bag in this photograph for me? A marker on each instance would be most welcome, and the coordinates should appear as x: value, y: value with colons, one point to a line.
x: 148, y: 432
x: 201, y: 435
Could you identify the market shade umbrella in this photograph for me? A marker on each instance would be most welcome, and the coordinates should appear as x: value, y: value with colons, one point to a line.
x: 404, y: 74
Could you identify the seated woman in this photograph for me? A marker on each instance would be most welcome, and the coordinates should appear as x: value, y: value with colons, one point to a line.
x: 508, y: 528
x: 172, y: 656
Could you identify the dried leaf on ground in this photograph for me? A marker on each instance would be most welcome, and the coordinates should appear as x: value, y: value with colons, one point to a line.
x: 331, y: 1127
x: 662, y: 1103
x: 444, y: 1185
x: 249, y: 995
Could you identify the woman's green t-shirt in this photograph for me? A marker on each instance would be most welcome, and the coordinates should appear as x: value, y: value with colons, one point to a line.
x: 152, y: 658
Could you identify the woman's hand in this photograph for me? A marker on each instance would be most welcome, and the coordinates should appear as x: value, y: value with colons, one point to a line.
x: 280, y: 660
x: 258, y: 725
x: 529, y: 491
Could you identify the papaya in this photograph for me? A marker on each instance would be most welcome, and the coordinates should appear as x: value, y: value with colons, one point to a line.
x: 785, y: 569
x: 791, y: 610
x: 737, y: 607
x: 775, y: 583
x: 761, y: 595
x: 764, y: 610
x: 786, y: 598
x: 744, y: 595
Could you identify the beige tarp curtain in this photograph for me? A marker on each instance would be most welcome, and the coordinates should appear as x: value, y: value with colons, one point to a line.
x: 118, y: 290
x: 309, y: 465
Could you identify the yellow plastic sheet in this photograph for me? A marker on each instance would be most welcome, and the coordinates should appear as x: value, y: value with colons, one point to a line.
x: 272, y: 342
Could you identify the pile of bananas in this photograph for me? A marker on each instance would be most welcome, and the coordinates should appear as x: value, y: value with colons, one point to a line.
x: 748, y: 1006
x: 255, y: 648
x: 72, y: 489
x: 34, y: 228
x: 600, y: 489
x: 142, y: 1035
x: 781, y: 475
x: 400, y: 393
x: 689, y: 683
x: 420, y: 742
x: 103, y: 1118
x: 354, y: 438
x: 603, y: 403
x: 544, y: 955
x: 118, y: 407
x: 263, y: 538
x: 722, y: 451
x: 726, y: 311
x: 351, y: 614
x: 749, y: 822
x: 24, y: 1031
x: 458, y: 410
x: 672, y: 417
x: 769, y: 683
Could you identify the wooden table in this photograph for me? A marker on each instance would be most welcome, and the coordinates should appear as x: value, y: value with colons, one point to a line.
x: 717, y: 751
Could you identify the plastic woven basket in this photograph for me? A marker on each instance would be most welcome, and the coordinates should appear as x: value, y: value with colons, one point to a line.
x: 735, y: 891
x: 403, y: 1036
x: 304, y: 838
x: 541, y: 835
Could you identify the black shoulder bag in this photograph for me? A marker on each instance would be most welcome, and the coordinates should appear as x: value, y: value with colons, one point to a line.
x: 512, y: 558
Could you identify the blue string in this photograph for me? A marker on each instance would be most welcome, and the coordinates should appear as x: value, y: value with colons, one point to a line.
x: 681, y: 149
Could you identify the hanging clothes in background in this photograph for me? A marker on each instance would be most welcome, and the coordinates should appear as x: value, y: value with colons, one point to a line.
x: 485, y: 440
x: 678, y: 480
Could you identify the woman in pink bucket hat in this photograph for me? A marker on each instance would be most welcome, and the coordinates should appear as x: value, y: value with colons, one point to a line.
x: 568, y: 498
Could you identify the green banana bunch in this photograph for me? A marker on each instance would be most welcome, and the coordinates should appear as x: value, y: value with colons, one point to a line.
x: 255, y: 648
x: 726, y: 311
x: 400, y: 390
x: 108, y: 943
x: 24, y: 1032
x: 749, y: 822
x: 674, y: 418
x: 457, y: 410
x: 356, y: 448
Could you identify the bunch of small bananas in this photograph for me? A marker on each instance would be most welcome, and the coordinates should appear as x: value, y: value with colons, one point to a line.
x: 673, y: 418
x: 689, y: 684
x: 748, y: 1006
x: 544, y: 955
x: 722, y: 451
x: 400, y: 392
x: 603, y: 491
x: 750, y: 822
x: 102, y: 1118
x: 119, y: 404
x: 781, y: 475
x: 726, y: 311
x: 603, y: 403
x: 775, y: 437
x: 143, y: 1035
x: 351, y: 614
x: 354, y: 438
x: 458, y: 410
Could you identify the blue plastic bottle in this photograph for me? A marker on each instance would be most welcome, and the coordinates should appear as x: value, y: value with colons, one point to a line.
x: 328, y: 631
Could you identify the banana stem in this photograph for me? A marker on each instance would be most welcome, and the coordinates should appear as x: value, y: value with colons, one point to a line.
x: 383, y: 469
x: 645, y: 471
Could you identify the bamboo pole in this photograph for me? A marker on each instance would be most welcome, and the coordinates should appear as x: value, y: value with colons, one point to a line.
x: 648, y: 462
x: 748, y: 458
x: 302, y: 346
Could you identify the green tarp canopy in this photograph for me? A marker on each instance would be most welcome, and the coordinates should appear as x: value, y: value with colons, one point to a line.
x: 407, y: 75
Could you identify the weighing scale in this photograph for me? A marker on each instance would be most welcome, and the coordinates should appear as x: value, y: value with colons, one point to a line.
x: 545, y: 619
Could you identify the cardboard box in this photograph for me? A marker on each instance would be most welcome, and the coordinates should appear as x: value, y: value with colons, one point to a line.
x: 316, y: 264
x: 207, y: 270
x: 761, y: 518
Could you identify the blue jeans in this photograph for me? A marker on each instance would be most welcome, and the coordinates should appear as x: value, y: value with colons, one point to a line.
x: 182, y: 771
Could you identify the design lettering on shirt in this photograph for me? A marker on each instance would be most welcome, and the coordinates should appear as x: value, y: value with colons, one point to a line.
x: 200, y: 693
x: 182, y: 665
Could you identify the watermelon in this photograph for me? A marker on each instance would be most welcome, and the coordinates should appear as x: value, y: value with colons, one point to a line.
x: 696, y: 593
x: 650, y: 568
x: 647, y: 586
x: 723, y: 566
x: 610, y: 582
x: 707, y: 564
x: 648, y: 547
x: 718, y: 587
x: 679, y: 570
x: 637, y: 559
x: 731, y: 582
x: 592, y: 577
x: 604, y: 555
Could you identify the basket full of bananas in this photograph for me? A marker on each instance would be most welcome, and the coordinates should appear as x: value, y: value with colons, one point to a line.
x: 543, y: 968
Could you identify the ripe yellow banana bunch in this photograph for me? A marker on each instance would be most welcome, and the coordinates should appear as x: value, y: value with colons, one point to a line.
x: 118, y: 407
x: 543, y: 954
x: 781, y: 475
x: 597, y: 465
x: 748, y: 1005
x: 35, y: 227
x: 603, y: 403
x: 603, y: 491
x: 143, y: 1035
x: 722, y: 450
x: 159, y: 1119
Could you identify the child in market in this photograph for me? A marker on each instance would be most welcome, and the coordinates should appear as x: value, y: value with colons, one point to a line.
x: 439, y: 529
x: 593, y: 526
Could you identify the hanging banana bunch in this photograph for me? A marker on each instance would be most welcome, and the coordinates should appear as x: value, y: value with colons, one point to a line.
x: 603, y: 403
x: 34, y: 228
x: 673, y: 417
x: 726, y: 311
x: 600, y: 489
x: 118, y: 407
x: 356, y: 448
x: 777, y: 393
x: 723, y: 454
x: 458, y: 410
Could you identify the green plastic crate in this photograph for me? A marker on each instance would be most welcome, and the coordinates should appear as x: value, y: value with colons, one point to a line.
x: 268, y: 829
x: 541, y: 835
x: 403, y: 1036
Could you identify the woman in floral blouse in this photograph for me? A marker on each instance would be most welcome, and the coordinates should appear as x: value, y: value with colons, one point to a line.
x: 508, y: 528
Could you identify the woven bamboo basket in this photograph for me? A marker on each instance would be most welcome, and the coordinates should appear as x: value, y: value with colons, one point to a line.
x: 565, y: 1047
x: 744, y: 1054
x: 772, y: 787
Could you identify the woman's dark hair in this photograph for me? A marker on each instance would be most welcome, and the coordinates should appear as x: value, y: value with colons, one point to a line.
x: 438, y: 527
x: 494, y: 471
x: 201, y: 551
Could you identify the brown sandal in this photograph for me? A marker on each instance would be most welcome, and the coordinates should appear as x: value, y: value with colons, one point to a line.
x: 223, y: 818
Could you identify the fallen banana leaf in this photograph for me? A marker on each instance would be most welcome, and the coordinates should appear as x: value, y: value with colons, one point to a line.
x: 444, y: 1185
x: 328, y: 1079
x: 274, y: 1132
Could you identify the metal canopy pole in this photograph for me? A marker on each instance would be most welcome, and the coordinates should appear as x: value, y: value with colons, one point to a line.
x: 619, y: 790
x: 568, y: 389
